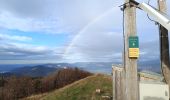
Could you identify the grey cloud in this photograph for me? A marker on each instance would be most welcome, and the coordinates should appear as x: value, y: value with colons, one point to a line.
x: 57, y: 16
x: 24, y: 8
x: 13, y: 51
x: 102, y: 41
x: 150, y: 50
x: 101, y: 45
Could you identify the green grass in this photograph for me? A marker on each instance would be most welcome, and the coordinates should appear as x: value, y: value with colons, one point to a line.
x: 84, y: 89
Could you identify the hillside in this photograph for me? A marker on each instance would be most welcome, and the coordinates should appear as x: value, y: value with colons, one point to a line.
x: 35, y: 71
x: 84, y: 89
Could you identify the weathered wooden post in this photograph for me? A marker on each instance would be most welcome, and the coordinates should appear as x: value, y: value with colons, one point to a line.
x: 114, y: 85
x: 130, y: 65
x: 164, y: 45
x: 118, y: 83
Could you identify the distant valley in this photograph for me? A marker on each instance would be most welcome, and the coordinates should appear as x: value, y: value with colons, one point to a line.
x: 41, y: 70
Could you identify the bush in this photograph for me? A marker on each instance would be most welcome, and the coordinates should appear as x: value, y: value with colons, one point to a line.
x: 19, y: 87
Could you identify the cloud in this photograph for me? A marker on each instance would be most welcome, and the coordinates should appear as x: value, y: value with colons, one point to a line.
x: 6, y: 37
x: 20, y: 51
x: 168, y: 2
x: 103, y: 47
x: 52, y: 16
x: 56, y: 17
x: 149, y: 50
x: 24, y: 8
x: 45, y: 25
x: 102, y: 40
x: 95, y: 27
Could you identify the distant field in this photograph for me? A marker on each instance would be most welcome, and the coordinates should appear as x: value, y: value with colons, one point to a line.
x: 84, y: 89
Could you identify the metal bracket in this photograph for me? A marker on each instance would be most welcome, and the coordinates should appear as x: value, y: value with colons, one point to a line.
x: 131, y: 3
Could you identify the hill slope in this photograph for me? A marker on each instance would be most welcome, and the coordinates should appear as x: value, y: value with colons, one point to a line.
x: 35, y: 71
x: 84, y: 89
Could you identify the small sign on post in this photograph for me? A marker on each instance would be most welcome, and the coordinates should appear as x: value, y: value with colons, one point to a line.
x: 133, y: 47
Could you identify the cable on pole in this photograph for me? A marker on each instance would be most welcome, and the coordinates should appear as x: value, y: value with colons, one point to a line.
x: 122, y: 8
x: 156, y: 23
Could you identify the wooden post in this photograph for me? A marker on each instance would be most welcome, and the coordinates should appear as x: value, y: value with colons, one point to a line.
x: 118, y: 83
x: 131, y: 79
x: 114, y: 83
x: 164, y: 45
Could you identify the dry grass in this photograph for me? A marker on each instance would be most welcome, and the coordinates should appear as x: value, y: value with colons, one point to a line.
x: 83, y: 89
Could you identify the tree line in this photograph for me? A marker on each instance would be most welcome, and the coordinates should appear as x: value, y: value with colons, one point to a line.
x: 13, y: 88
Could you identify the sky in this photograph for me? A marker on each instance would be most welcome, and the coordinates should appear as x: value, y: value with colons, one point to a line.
x: 52, y: 31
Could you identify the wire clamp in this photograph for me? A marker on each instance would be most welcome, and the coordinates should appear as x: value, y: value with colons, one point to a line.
x: 131, y: 3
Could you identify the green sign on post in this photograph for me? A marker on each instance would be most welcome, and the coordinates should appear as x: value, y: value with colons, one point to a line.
x: 133, y: 47
x: 133, y: 42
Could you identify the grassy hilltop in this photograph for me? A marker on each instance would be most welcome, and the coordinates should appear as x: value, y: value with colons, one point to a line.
x: 84, y: 89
